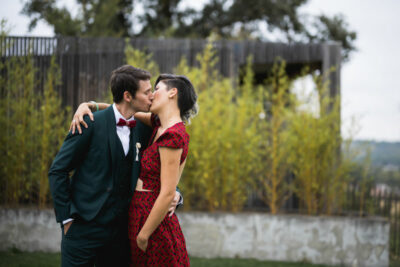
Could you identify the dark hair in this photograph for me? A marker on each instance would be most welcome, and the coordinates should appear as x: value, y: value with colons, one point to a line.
x: 126, y: 78
x: 187, y: 96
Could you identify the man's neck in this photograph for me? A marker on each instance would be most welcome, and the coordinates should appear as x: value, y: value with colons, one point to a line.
x: 125, y: 110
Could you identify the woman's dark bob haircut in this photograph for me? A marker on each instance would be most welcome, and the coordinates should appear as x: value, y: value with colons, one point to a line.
x: 187, y: 96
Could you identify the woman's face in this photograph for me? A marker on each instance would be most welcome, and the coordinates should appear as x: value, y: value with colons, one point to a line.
x: 160, y: 97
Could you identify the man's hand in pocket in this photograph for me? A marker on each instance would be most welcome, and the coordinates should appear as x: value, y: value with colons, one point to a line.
x: 67, y: 226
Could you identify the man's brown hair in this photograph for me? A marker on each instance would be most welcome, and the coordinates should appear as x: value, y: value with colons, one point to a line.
x: 126, y: 78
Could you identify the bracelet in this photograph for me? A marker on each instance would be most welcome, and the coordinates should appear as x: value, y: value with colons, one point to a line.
x: 97, y: 105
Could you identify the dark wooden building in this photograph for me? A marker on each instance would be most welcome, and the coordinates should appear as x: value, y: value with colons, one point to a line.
x: 86, y: 63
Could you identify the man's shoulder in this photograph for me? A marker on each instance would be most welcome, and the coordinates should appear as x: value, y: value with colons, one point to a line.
x: 101, y: 113
x: 101, y: 116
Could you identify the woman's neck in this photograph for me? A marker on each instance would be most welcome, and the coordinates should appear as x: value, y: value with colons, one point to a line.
x: 169, y: 117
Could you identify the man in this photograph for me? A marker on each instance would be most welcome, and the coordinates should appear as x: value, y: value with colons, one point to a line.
x: 92, y: 206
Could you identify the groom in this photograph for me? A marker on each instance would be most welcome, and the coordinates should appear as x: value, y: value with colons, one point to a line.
x: 92, y: 206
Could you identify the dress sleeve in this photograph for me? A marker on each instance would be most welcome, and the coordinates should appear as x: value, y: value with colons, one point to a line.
x: 171, y: 139
x: 155, y: 121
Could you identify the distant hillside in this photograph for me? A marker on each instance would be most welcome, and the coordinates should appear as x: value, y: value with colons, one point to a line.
x: 382, y: 153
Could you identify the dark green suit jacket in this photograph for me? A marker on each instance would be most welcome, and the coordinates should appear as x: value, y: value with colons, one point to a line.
x: 92, y: 157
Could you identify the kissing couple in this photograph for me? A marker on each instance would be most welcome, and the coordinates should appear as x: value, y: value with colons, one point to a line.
x: 118, y: 208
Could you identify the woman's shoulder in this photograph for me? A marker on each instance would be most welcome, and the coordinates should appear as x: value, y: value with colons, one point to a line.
x: 179, y: 129
x: 175, y: 136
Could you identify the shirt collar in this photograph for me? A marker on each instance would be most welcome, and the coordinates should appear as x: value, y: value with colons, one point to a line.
x: 118, y: 115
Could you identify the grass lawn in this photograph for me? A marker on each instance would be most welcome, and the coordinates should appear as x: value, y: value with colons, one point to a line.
x: 197, y: 262
x: 37, y: 259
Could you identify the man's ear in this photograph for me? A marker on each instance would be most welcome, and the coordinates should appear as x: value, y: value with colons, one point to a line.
x: 127, y: 96
x: 172, y: 92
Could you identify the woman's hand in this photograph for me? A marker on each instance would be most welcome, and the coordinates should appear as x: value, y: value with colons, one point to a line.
x: 142, y: 242
x: 77, y: 120
x: 174, y: 203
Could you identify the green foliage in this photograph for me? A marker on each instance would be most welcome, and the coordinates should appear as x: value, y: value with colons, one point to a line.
x: 159, y: 17
x: 273, y: 188
x: 362, y: 180
x: 254, y: 138
x: 18, y: 120
x: 96, y: 18
x: 223, y: 151
x: 245, y: 138
x: 51, y: 129
x: 316, y: 160
x: 336, y: 29
x: 32, y: 127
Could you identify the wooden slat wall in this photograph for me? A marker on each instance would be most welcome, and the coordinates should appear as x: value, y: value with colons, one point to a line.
x: 86, y: 63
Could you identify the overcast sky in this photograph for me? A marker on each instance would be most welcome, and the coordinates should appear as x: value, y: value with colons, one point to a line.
x: 370, y: 83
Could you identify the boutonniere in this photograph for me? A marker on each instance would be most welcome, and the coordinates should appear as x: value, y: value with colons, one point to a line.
x: 138, y: 146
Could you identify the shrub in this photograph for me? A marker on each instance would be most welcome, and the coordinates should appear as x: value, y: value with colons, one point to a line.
x: 33, y: 124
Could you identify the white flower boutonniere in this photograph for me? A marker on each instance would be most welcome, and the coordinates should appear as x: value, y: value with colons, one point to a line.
x: 138, y: 146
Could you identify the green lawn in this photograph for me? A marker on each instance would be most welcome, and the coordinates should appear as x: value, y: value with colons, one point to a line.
x: 197, y: 262
x: 25, y: 259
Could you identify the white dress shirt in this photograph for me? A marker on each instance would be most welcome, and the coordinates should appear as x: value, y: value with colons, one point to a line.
x: 123, y: 132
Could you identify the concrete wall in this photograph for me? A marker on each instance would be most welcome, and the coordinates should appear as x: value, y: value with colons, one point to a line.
x: 326, y: 240
x: 29, y: 230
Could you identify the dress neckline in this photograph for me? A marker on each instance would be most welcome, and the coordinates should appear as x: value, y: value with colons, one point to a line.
x: 166, y: 130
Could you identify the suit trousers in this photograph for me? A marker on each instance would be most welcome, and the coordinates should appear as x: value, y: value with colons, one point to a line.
x: 91, y: 244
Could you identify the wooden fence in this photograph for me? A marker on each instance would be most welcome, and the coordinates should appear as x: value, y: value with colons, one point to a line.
x: 378, y: 201
x: 86, y: 63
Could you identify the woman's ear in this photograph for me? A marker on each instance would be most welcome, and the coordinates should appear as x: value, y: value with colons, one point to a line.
x: 172, y: 92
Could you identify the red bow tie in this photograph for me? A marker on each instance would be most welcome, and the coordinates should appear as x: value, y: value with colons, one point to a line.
x: 123, y: 122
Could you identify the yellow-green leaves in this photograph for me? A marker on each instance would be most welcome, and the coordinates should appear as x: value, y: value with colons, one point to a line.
x: 33, y: 124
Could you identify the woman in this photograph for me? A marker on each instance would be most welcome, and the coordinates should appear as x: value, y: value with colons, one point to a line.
x: 156, y: 239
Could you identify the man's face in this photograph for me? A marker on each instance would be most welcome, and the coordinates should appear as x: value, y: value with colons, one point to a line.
x: 144, y: 97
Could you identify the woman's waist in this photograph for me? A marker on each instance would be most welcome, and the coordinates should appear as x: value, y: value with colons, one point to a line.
x: 143, y: 200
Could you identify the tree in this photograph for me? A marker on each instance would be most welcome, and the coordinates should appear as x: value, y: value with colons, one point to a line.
x: 236, y: 19
x: 96, y: 18
x: 217, y: 17
x: 244, y: 17
x: 160, y: 17
x: 333, y: 29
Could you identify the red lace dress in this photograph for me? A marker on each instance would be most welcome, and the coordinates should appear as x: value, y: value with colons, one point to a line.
x: 166, y: 245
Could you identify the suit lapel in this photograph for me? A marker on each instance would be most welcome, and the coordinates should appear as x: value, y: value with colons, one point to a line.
x: 132, y: 142
x: 111, y: 131
x: 134, y: 139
